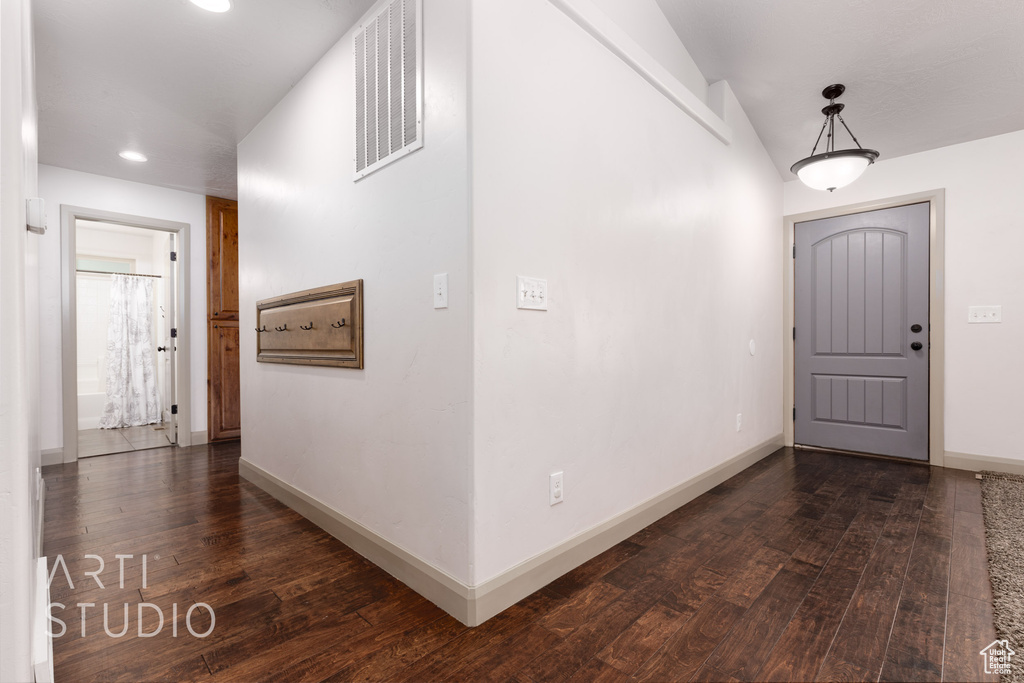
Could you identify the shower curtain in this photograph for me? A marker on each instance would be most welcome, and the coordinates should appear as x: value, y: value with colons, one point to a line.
x: 132, y: 395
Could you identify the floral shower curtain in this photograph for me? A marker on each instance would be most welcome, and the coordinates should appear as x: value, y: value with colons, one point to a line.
x: 132, y: 395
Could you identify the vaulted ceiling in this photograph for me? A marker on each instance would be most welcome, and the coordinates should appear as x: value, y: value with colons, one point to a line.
x: 920, y: 74
x: 184, y: 86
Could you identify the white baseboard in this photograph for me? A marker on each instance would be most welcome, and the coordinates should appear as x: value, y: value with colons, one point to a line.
x: 473, y: 605
x: 42, y: 644
x: 51, y: 456
x: 40, y: 510
x: 514, y: 584
x: 977, y: 463
x: 199, y: 438
x: 444, y: 590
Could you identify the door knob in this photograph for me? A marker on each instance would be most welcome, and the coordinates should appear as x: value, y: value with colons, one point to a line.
x: 915, y: 328
x: 161, y: 348
x: 917, y: 346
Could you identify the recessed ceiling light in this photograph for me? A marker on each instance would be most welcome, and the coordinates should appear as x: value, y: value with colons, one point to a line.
x: 213, y: 5
x: 133, y: 156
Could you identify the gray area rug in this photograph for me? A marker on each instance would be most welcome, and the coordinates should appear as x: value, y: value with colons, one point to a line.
x: 1002, y: 501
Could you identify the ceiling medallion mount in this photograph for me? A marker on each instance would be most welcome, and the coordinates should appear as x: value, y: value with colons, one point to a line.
x: 833, y: 168
x: 834, y: 91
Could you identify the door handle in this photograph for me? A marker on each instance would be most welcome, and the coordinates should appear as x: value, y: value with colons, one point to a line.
x: 917, y: 346
x: 915, y: 328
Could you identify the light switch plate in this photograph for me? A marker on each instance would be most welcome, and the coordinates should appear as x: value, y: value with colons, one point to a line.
x: 441, y: 290
x: 531, y: 293
x: 985, y: 314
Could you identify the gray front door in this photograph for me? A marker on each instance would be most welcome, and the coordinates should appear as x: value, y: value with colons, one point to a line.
x: 862, y: 332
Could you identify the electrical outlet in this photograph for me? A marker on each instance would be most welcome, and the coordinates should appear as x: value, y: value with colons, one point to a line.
x: 739, y: 421
x: 556, y: 489
x: 441, y: 290
x: 985, y: 314
x: 531, y: 293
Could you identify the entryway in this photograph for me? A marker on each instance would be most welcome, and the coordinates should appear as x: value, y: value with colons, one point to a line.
x: 864, y: 312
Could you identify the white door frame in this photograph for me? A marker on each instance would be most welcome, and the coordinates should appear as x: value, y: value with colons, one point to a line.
x: 69, y: 216
x: 936, y: 313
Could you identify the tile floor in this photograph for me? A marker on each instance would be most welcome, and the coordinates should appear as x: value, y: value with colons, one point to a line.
x: 104, y: 441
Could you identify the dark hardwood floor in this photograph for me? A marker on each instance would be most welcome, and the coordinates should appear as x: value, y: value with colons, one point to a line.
x: 805, y: 567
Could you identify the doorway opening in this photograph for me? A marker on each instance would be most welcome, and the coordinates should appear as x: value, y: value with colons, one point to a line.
x: 125, y: 338
x: 838, y: 386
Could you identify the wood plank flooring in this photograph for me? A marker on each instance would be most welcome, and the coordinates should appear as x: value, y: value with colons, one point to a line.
x: 806, y: 566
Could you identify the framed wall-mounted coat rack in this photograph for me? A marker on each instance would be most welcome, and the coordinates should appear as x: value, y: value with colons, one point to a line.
x: 322, y: 326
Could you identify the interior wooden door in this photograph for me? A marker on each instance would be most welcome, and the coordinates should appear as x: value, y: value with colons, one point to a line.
x: 224, y: 394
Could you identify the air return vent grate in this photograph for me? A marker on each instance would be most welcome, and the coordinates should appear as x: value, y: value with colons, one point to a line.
x: 388, y: 79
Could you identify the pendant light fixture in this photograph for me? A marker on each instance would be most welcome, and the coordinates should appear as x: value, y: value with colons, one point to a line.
x: 833, y: 168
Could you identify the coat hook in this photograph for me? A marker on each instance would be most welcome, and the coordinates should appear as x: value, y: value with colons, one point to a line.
x: 339, y: 325
x: 307, y: 328
x: 282, y: 329
x: 261, y: 329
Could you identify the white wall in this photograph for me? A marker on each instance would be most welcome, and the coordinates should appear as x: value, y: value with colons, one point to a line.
x: 387, y: 446
x: 19, y: 360
x: 984, y: 243
x: 658, y: 243
x: 62, y: 186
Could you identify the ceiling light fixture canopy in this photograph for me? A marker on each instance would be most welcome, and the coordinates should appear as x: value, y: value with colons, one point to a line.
x: 213, y: 5
x: 833, y: 168
x: 132, y: 156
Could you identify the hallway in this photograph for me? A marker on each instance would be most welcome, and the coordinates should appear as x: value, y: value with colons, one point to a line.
x: 804, y: 566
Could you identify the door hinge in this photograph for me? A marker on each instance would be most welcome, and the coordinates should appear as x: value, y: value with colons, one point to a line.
x: 794, y: 251
x: 794, y: 413
x: 174, y: 409
x: 174, y: 331
x: 174, y: 256
x: 794, y: 334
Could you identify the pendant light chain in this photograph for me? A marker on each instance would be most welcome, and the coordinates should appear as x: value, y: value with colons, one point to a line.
x: 857, y: 142
x: 820, y: 133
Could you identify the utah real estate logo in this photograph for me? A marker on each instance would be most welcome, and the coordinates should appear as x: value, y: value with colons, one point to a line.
x: 997, y: 657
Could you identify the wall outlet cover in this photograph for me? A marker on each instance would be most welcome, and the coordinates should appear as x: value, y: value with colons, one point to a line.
x: 441, y: 290
x: 556, y: 488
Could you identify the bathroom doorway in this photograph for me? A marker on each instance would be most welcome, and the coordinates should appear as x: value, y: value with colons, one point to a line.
x: 125, y: 338
x: 125, y: 309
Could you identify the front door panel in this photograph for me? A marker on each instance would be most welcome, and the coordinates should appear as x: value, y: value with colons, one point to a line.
x: 861, y: 287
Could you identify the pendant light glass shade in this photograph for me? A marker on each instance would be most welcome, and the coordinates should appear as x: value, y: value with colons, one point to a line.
x: 833, y: 168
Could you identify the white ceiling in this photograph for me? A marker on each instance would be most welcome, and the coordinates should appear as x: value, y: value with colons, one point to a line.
x: 184, y: 86
x: 175, y: 82
x: 919, y: 74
